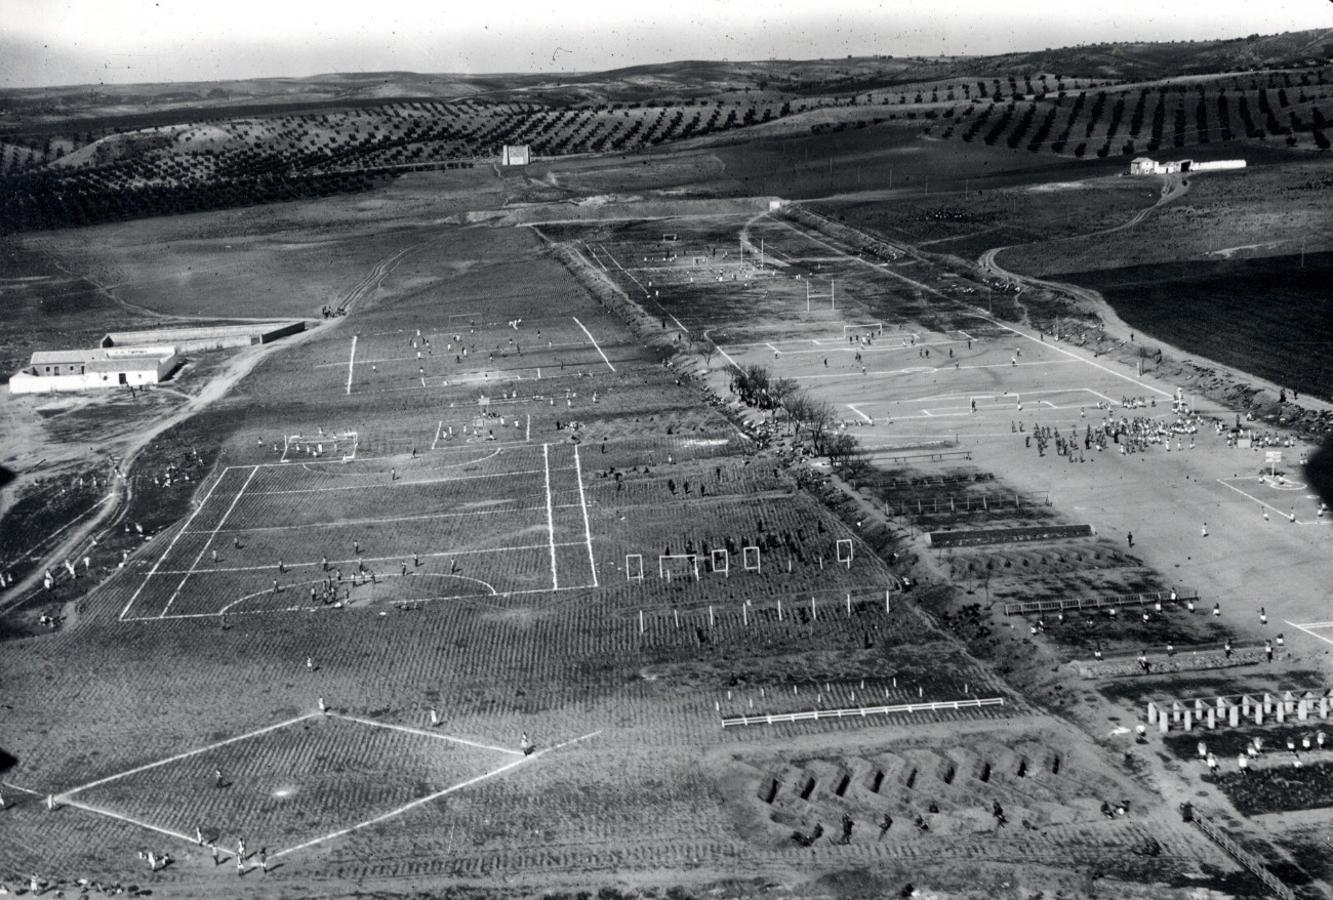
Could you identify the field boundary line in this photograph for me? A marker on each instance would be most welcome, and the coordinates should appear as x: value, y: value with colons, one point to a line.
x: 1247, y: 494
x: 99, y: 811
x: 595, y: 345
x: 351, y: 365
x: 407, y: 729
x: 587, y: 529
x: 852, y: 407
x: 157, y: 564
x: 429, y: 798
x: 1072, y: 355
x: 211, y: 535
x: 550, y: 515
x: 627, y: 272
x: 63, y: 796
x: 1318, y: 637
x: 438, y: 428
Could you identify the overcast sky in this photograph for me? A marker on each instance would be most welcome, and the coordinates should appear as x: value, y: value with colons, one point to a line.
x: 60, y: 42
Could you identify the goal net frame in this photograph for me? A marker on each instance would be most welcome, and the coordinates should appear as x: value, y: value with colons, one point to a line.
x: 341, y: 445
x: 844, y: 550
x: 691, y: 559
x: 721, y: 561
x: 861, y: 327
x: 634, y: 567
x: 750, y: 561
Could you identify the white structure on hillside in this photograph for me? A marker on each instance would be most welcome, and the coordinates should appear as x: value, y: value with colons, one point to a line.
x: 1142, y: 165
x: 515, y: 155
x: 81, y: 370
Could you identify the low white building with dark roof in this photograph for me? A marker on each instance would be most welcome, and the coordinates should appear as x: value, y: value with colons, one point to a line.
x: 206, y: 337
x: 51, y: 371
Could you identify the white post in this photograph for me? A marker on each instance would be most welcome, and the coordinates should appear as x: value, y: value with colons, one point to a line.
x: 833, y: 294
x: 779, y: 609
x: 640, y: 621
x: 745, y: 615
x: 814, y: 614
x: 849, y: 604
x: 886, y: 601
x: 710, y: 616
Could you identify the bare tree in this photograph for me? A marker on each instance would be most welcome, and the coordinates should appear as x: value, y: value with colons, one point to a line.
x: 704, y: 346
x: 797, y: 406
x: 844, y: 452
x: 819, y: 419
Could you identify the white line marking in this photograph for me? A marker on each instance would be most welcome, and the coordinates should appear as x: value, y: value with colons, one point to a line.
x: 727, y: 357
x: 211, y: 535
x: 1072, y: 355
x: 65, y: 795
x: 427, y: 799
x: 439, y: 429
x: 406, y: 729
x: 853, y: 408
x: 97, y: 810
x: 401, y: 483
x: 351, y: 363
x: 678, y: 322
x: 527, y: 432
x: 583, y: 502
x: 550, y: 515
x: 1315, y: 625
x: 1318, y: 637
x: 508, y: 510
x: 23, y: 790
x: 594, y: 342
x: 1255, y: 499
x: 177, y: 537
x: 927, y: 370
x: 395, y: 557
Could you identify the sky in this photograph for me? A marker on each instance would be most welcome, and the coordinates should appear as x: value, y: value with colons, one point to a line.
x: 63, y: 42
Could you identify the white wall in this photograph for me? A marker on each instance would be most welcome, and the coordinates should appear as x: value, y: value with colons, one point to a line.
x: 27, y: 383
x: 1217, y: 165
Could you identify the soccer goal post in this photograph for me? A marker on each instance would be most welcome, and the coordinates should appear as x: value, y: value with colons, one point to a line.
x: 722, y: 561
x: 678, y: 565
x: 875, y: 328
x: 634, y: 567
x: 750, y: 559
x: 844, y: 549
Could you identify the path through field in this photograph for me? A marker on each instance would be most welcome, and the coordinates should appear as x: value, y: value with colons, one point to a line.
x: 236, y: 368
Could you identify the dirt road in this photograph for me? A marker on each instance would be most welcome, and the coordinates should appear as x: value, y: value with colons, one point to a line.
x: 74, y: 543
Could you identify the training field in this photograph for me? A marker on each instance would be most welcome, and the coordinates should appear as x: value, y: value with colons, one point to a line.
x: 407, y: 559
x: 452, y: 523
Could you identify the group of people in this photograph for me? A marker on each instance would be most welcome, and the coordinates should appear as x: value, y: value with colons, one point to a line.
x: 1255, y: 748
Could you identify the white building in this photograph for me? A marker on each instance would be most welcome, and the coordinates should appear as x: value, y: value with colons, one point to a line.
x: 81, y: 370
x: 515, y: 155
x: 1142, y: 165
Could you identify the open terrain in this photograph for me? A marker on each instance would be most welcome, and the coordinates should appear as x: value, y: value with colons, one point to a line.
x: 629, y: 532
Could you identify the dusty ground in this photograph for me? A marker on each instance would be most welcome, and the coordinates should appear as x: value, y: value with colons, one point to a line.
x: 634, y: 784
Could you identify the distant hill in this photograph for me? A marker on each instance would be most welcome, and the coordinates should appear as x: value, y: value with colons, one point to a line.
x: 29, y: 108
